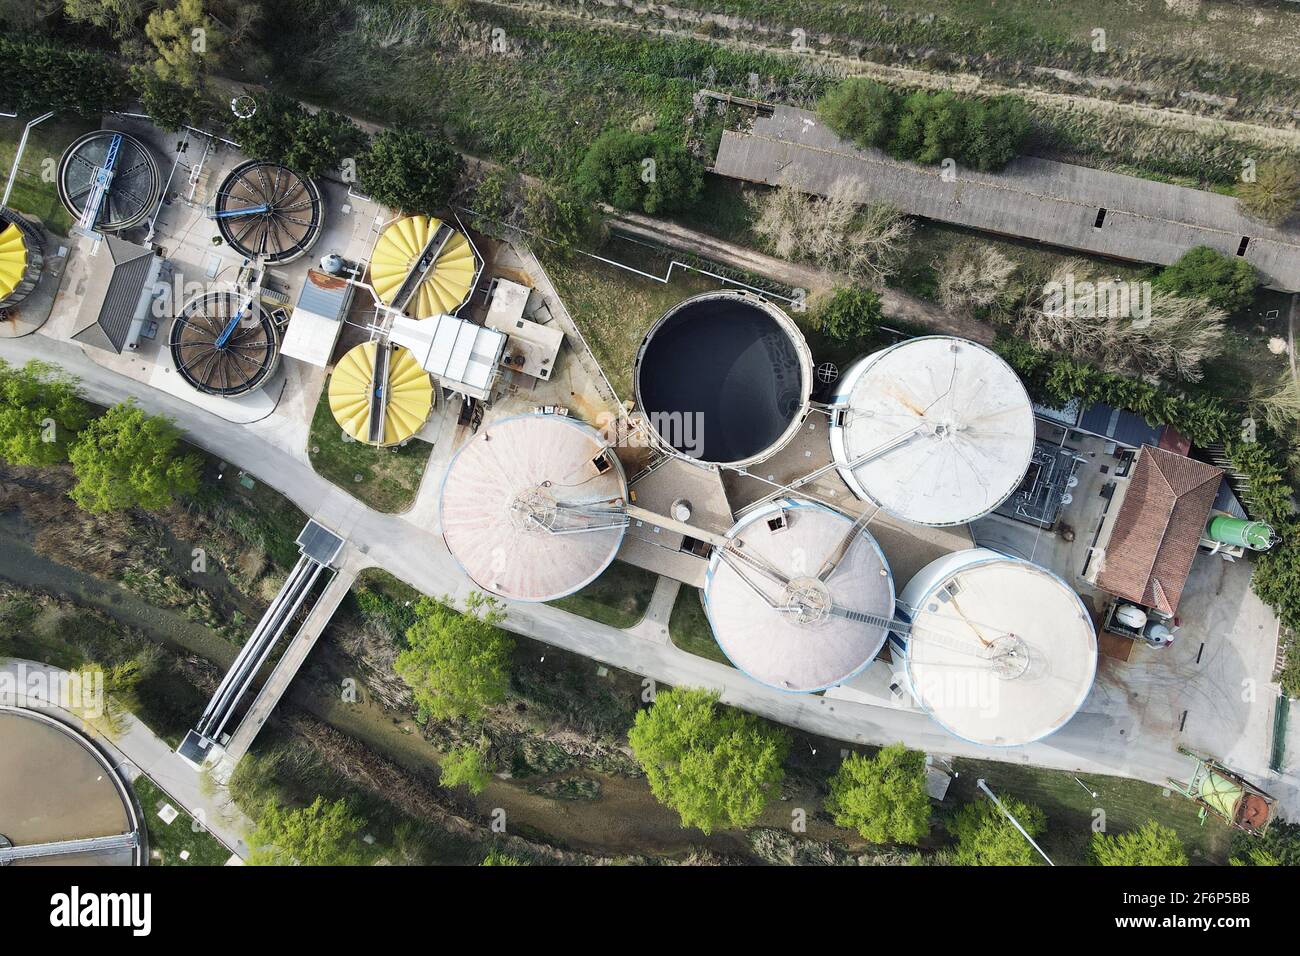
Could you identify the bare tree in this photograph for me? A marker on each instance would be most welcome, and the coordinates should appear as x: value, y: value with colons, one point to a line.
x: 1125, y: 326
x: 835, y: 233
x: 975, y: 277
x: 1278, y: 405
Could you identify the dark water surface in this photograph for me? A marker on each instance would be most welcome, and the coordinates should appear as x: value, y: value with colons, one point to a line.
x: 728, y: 377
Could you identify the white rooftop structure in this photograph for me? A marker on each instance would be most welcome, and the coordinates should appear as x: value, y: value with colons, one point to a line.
x: 534, y: 507
x: 1001, y: 652
x: 935, y: 430
x: 461, y: 355
x: 801, y: 598
x: 531, y: 347
x: 317, y: 319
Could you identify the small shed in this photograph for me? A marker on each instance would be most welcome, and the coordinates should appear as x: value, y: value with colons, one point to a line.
x: 317, y: 318
x: 532, y: 348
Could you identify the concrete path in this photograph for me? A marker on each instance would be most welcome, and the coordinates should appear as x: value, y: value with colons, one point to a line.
x: 653, y: 625
x: 134, y: 751
x: 1091, y: 743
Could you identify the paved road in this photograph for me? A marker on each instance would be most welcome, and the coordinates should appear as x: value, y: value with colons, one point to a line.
x: 418, y: 556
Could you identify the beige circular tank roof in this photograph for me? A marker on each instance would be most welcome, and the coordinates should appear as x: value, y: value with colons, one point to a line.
x: 779, y: 616
x: 935, y: 430
x: 534, y: 507
x: 1001, y: 652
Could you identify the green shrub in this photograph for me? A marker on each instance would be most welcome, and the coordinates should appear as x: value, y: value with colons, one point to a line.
x: 43, y: 75
x: 850, y: 314
x: 639, y: 171
x: 1226, y: 282
x: 409, y: 171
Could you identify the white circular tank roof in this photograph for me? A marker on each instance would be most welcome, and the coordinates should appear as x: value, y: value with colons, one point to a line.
x: 773, y: 616
x: 534, y: 507
x: 1001, y: 652
x: 935, y: 430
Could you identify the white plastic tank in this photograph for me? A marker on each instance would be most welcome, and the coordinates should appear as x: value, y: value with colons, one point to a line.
x: 801, y: 598
x: 1000, y: 651
x: 935, y: 430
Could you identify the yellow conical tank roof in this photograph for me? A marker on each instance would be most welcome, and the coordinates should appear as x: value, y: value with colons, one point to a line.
x: 13, y: 258
x: 399, y: 246
x: 410, y: 394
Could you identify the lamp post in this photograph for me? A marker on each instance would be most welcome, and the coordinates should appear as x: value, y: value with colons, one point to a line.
x: 18, y: 155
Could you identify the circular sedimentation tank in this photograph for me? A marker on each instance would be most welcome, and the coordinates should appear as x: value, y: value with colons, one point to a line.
x: 397, y: 252
x: 1000, y: 652
x: 223, y: 343
x: 133, y: 192
x: 406, y: 407
x: 935, y: 430
x: 723, y: 378
x: 533, y: 508
x: 55, y: 785
x: 801, y: 598
x: 268, y: 210
x: 21, y: 258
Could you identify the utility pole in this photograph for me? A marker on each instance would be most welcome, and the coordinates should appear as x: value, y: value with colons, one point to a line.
x: 1014, y: 822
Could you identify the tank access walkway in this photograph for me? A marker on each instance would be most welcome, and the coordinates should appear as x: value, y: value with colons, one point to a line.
x: 36, y: 851
x: 319, y: 551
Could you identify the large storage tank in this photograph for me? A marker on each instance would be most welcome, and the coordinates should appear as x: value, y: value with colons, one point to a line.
x: 422, y: 266
x: 268, y: 211
x: 534, y: 507
x: 57, y: 791
x: 723, y: 378
x: 380, y: 395
x: 21, y: 258
x: 935, y: 430
x: 134, y: 185
x: 225, y: 343
x: 1000, y: 652
x: 801, y: 598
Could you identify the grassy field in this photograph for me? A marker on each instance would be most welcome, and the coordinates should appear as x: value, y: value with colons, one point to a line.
x: 689, y: 627
x: 168, y: 840
x: 618, y: 597
x: 34, y: 189
x: 1070, y: 809
x: 386, y: 479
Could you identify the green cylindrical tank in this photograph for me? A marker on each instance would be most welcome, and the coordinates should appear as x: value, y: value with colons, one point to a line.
x: 1255, y: 535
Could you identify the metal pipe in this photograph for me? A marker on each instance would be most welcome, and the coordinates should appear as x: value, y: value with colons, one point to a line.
x: 18, y: 155
x: 1014, y: 822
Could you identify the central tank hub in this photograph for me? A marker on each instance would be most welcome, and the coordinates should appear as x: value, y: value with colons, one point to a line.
x: 1008, y: 656
x: 532, y: 510
x: 809, y: 599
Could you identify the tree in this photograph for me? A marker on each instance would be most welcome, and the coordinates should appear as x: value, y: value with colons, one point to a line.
x: 974, y: 279
x: 456, y: 664
x: 884, y: 797
x: 323, y: 834
x: 1273, y: 195
x: 1226, y: 282
x: 861, y: 110
x: 40, y: 412
x: 283, y: 131
x: 985, y: 837
x: 184, y: 37
x: 559, y: 214
x: 716, y: 766
x: 639, y: 171
x: 834, y: 233
x: 851, y: 314
x: 1107, y: 322
x: 127, y: 459
x: 1279, y: 845
x: 1151, y: 844
x: 409, y: 171
x: 464, y: 766
x: 120, y: 18
x: 41, y: 75
x: 169, y: 105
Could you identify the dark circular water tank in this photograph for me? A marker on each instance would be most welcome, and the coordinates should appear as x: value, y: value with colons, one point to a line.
x: 722, y: 377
